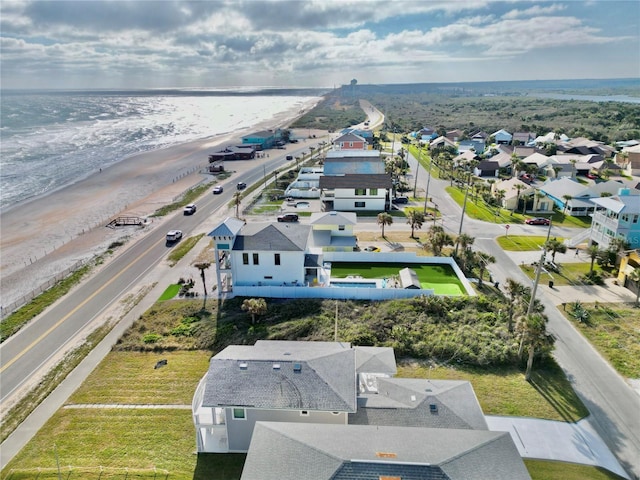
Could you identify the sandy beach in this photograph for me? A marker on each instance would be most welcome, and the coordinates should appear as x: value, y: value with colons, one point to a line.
x: 44, y: 237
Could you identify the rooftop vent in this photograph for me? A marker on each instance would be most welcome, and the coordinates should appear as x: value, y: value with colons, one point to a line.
x: 276, y: 366
x: 433, y: 408
x: 413, y: 398
x: 297, y: 367
x: 386, y: 454
x: 243, y: 366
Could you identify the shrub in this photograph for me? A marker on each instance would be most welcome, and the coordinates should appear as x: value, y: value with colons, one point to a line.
x: 151, y: 338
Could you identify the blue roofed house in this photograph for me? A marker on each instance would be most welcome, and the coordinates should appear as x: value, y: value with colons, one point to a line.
x: 502, y: 137
x: 263, y: 139
x: 617, y: 216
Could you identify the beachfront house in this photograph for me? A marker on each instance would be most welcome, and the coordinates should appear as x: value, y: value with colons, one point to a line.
x: 294, y: 260
x: 355, y: 180
x: 350, y: 141
x: 617, y: 216
x: 321, y: 393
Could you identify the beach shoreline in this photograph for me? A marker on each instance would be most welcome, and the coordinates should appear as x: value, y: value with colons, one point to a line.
x: 50, y: 234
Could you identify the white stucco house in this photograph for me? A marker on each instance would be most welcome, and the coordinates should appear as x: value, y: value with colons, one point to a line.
x: 355, y: 180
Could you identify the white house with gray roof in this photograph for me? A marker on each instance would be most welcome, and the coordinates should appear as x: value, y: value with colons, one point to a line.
x: 320, y: 383
x: 287, y: 451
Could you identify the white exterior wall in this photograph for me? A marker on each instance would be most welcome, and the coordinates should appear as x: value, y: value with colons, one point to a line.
x: 290, y: 270
x: 345, y: 200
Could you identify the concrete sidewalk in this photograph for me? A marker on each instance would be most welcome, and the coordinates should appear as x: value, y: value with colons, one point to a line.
x: 557, y: 441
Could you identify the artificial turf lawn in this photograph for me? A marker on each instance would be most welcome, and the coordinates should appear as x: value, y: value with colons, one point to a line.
x: 441, y: 278
x: 171, y: 291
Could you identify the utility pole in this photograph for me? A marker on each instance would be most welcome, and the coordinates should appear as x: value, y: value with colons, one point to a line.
x: 335, y: 328
x: 415, y: 184
x: 464, y: 208
x: 538, y: 271
x: 426, y: 194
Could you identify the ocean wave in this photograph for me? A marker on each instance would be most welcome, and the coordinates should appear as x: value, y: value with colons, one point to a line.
x: 51, y: 140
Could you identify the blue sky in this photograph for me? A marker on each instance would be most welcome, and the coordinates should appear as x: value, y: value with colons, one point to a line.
x: 163, y: 44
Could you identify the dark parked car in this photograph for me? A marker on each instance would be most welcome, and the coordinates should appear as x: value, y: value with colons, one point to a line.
x: 288, y: 217
x: 400, y: 200
x: 537, y: 221
x: 217, y: 190
x: 241, y: 186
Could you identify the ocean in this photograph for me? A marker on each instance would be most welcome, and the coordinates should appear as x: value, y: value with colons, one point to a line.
x: 52, y: 139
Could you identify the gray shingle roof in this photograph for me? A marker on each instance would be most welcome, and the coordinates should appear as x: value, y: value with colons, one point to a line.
x: 407, y: 402
x: 283, y: 450
x: 356, y: 180
x: 375, y: 360
x: 245, y: 376
x: 281, y: 237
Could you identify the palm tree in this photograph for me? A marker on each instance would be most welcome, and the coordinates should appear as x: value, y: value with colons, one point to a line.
x: 483, y: 259
x: 516, y: 292
x: 555, y: 246
x: 635, y: 277
x: 237, y: 200
x: 202, y: 265
x: 539, y: 195
x: 465, y: 241
x: 437, y: 239
x: 566, y: 199
x: 594, y: 252
x: 415, y: 219
x: 255, y: 306
x: 518, y: 188
x: 533, y: 331
x: 384, y: 219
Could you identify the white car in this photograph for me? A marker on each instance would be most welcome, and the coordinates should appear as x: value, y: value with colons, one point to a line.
x: 190, y: 209
x: 174, y: 236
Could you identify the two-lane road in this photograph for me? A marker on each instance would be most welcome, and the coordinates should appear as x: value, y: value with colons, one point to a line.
x: 34, y: 347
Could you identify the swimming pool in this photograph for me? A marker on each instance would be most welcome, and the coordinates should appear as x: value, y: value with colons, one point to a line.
x: 354, y: 284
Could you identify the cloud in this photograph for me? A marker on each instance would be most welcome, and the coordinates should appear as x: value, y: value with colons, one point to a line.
x: 534, y: 11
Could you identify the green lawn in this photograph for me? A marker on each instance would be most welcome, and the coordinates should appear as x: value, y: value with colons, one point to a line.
x: 614, y: 330
x: 523, y: 243
x: 548, y: 470
x: 171, y: 291
x: 440, y: 278
x: 570, y: 273
x: 481, y: 211
x: 130, y: 378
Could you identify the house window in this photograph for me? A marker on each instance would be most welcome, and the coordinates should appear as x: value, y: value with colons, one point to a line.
x: 239, y: 414
x: 373, y: 191
x: 276, y: 258
x: 341, y: 227
x: 256, y: 260
x: 360, y: 204
x: 361, y: 191
x: 304, y: 413
x: 635, y: 218
x: 245, y: 259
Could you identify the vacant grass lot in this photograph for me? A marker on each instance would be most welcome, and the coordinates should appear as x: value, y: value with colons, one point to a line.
x: 570, y: 273
x: 614, y: 330
x: 523, y: 243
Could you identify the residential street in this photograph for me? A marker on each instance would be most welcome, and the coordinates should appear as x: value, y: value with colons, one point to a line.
x: 614, y: 405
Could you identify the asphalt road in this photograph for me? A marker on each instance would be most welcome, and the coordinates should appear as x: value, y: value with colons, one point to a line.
x: 34, y: 347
